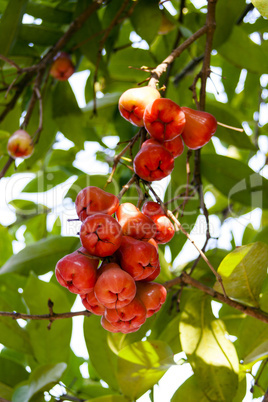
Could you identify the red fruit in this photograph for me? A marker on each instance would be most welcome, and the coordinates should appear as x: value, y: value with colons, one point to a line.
x: 93, y: 199
x: 92, y: 304
x: 20, y: 145
x: 116, y: 327
x: 129, y: 317
x: 101, y: 235
x: 199, y: 128
x: 77, y: 272
x: 133, y: 102
x: 165, y: 228
x: 153, y: 275
x: 134, y: 223
x: 175, y: 146
x: 152, y: 295
x: 153, y: 162
x: 139, y: 258
x: 114, y: 287
x: 164, y: 119
x: 62, y: 67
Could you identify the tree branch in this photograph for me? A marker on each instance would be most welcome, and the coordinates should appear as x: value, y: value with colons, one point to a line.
x: 50, y: 317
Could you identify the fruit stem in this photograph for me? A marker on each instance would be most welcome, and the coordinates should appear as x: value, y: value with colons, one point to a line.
x: 241, y: 130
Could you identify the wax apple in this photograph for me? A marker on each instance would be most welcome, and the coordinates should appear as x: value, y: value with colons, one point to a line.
x: 139, y: 258
x: 62, y: 67
x: 20, y: 145
x: 114, y: 287
x: 133, y: 102
x: 134, y: 223
x: 164, y: 119
x: 152, y: 295
x: 131, y: 316
x: 92, y: 304
x: 101, y: 234
x: 117, y: 327
x: 153, y: 162
x: 93, y: 199
x: 77, y: 271
x: 165, y: 228
x: 199, y: 128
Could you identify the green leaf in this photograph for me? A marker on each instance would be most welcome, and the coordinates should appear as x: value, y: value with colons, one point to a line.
x: 232, y: 319
x: 41, y: 379
x: 45, y: 181
x: 28, y: 208
x: 11, y: 373
x: 262, y: 375
x: 146, y: 19
x: 243, y: 272
x: 49, y: 346
x: 237, y: 181
x: 39, y: 34
x: 189, y: 391
x: 252, y: 342
x: 4, y: 136
x: 241, y: 51
x: 211, y: 355
x: 102, y: 358
x: 262, y: 7
x: 141, y: 365
x: 264, y: 296
x: 48, y: 13
x: 110, y: 398
x: 10, y: 24
x: 42, y: 256
x: 6, y: 250
x: 224, y: 115
x: 6, y: 391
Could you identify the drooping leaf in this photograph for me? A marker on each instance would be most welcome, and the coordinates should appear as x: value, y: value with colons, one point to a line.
x: 189, y: 391
x: 146, y: 19
x: 42, y: 256
x: 5, y: 245
x: 141, y: 365
x: 211, y: 355
x: 243, y: 272
x: 11, y: 373
x: 41, y: 379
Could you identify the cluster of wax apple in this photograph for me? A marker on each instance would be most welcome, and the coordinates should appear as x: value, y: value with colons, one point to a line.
x: 169, y: 126
x: 121, y: 290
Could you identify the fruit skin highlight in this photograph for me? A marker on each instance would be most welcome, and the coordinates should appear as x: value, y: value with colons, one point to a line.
x: 20, y: 145
x: 133, y: 102
x: 164, y: 119
x: 199, y: 128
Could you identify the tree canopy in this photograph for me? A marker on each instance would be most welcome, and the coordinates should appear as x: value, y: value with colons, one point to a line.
x: 208, y: 56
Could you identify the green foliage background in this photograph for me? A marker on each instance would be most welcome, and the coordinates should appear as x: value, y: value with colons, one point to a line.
x: 33, y: 359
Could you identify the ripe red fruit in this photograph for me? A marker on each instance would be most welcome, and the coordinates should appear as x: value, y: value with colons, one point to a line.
x: 77, y: 272
x: 116, y: 327
x: 62, y: 67
x: 153, y: 162
x: 100, y: 234
x: 139, y: 258
x: 175, y: 146
x: 152, y: 295
x: 199, y: 128
x: 92, y: 199
x: 20, y: 145
x: 165, y: 228
x: 153, y: 275
x: 114, y: 287
x: 134, y: 223
x: 133, y: 102
x: 164, y: 119
x: 129, y: 317
x: 92, y: 304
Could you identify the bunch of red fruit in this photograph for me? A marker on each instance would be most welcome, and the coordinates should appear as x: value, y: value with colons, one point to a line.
x: 169, y: 126
x: 121, y: 288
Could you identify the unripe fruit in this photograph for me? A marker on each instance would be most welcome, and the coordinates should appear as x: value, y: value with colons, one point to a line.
x: 164, y: 119
x: 153, y: 162
x: 133, y: 102
x: 114, y: 287
x: 134, y: 223
x: 20, y: 145
x: 62, y: 67
x: 152, y: 295
x: 165, y: 228
x: 139, y: 258
x: 92, y: 199
x: 129, y: 317
x: 199, y: 128
x: 101, y: 235
x: 77, y: 272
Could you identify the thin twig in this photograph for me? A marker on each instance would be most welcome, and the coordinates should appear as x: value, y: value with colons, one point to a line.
x: 49, y: 317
